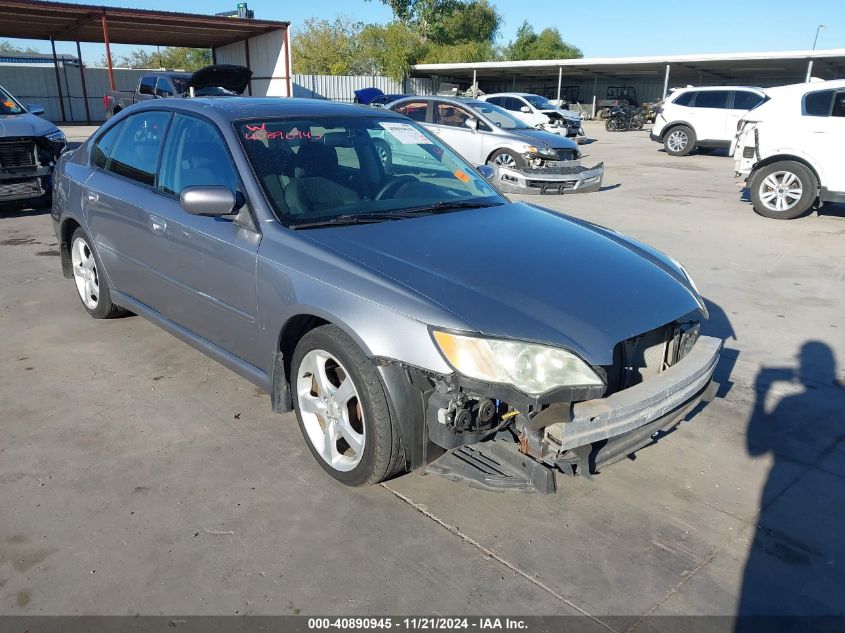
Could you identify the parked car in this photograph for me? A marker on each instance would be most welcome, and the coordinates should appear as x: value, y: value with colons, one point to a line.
x: 692, y: 118
x: 214, y: 80
x: 375, y: 97
x: 29, y: 148
x: 527, y: 160
x: 789, y: 149
x: 400, y: 315
x: 538, y: 112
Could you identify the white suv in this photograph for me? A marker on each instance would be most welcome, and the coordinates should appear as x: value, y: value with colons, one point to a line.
x: 539, y: 112
x: 703, y: 117
x: 789, y: 149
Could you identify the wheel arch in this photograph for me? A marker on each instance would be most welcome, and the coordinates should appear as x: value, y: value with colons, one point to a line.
x: 778, y: 158
x: 66, y: 230
x: 671, y: 126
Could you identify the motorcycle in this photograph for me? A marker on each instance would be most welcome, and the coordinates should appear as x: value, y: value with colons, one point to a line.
x: 624, y: 118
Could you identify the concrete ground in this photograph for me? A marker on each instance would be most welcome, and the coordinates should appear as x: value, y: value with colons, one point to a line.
x: 138, y: 476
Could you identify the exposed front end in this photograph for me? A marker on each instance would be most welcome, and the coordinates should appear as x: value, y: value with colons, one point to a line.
x: 558, y: 178
x: 26, y: 166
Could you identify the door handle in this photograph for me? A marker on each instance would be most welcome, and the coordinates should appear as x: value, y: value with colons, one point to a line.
x: 158, y: 224
x: 92, y: 196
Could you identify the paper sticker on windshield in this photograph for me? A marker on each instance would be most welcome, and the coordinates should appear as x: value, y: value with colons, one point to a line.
x: 406, y: 134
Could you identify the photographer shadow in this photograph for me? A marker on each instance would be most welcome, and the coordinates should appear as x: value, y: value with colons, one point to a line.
x: 796, y: 562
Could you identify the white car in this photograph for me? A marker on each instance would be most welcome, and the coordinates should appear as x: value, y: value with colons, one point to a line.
x: 693, y: 118
x: 538, y: 112
x: 789, y: 149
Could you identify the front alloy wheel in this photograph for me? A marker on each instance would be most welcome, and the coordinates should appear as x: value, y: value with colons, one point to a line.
x: 342, y: 408
x: 780, y: 191
x: 783, y: 190
x: 331, y: 410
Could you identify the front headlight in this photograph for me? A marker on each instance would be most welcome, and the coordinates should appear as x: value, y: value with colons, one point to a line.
x: 533, y: 369
x: 57, y: 137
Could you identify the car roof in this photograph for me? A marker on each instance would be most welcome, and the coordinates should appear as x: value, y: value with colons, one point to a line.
x: 226, y: 109
x: 810, y: 86
x: 514, y: 94
x: 711, y: 88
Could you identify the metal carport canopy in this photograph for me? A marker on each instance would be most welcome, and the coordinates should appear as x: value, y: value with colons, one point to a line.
x: 36, y: 19
x: 751, y: 68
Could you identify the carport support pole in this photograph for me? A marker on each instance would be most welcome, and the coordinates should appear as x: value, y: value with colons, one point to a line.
x: 82, y: 81
x: 666, y: 82
x: 249, y: 67
x: 474, y: 83
x: 108, y: 51
x: 559, y: 80
x: 58, y: 79
x: 809, y: 71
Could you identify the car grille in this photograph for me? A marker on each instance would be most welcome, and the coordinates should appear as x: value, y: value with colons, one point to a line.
x: 565, y: 154
x: 643, y: 357
x: 17, y: 153
x: 20, y: 190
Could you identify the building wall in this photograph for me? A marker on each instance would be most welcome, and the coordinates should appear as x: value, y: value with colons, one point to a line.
x: 268, y: 59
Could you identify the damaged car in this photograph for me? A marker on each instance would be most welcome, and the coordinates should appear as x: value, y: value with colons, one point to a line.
x: 539, y: 112
x: 525, y: 159
x: 412, y: 317
x: 29, y: 148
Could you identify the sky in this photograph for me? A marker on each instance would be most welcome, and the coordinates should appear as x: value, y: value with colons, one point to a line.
x: 609, y: 28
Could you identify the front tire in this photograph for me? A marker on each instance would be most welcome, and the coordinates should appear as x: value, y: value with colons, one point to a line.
x: 91, y: 284
x: 506, y: 158
x: 679, y: 141
x: 342, y: 409
x: 784, y: 190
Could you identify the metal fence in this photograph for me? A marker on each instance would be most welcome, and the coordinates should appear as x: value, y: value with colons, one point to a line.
x: 36, y: 84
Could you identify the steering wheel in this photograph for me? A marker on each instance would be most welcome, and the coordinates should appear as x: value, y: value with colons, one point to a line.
x: 393, y: 185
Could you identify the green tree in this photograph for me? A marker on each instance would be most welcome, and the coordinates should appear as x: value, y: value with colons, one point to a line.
x: 170, y: 57
x: 449, y: 21
x: 390, y: 50
x: 322, y: 47
x: 7, y: 47
x: 547, y: 45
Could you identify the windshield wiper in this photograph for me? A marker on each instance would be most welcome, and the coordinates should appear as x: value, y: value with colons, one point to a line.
x: 445, y: 206
x: 348, y: 218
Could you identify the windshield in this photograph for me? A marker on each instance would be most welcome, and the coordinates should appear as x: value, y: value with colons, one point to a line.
x: 331, y: 168
x: 541, y: 103
x: 8, y: 104
x: 498, y: 116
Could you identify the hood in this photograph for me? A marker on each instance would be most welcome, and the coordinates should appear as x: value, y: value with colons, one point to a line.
x: 522, y: 272
x: 566, y: 114
x: 545, y: 138
x: 228, y: 76
x: 24, y: 124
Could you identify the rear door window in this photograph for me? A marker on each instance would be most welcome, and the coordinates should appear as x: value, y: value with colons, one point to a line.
x: 839, y: 104
x: 712, y: 99
x: 818, y: 103
x: 135, y: 153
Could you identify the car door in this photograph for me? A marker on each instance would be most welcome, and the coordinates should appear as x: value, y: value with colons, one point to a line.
x: 119, y: 201
x: 164, y: 88
x: 710, y: 108
x: 450, y: 124
x: 823, y: 134
x: 209, y: 261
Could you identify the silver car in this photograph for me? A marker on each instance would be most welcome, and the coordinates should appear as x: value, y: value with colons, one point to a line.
x: 527, y: 160
x: 409, y: 314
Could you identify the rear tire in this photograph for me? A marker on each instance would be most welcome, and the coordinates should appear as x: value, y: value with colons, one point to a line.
x: 784, y: 190
x: 679, y: 141
x: 91, y: 285
x: 342, y: 409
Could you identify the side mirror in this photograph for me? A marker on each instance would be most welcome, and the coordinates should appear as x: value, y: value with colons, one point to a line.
x: 472, y: 123
x: 211, y: 200
x: 35, y: 109
x: 487, y: 171
x: 525, y: 109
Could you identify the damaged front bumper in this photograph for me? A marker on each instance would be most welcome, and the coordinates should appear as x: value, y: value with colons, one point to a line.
x: 558, y: 179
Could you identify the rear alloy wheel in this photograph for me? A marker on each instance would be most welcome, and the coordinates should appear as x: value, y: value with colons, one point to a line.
x: 342, y: 409
x: 90, y: 284
x: 783, y: 190
x: 506, y: 158
x: 679, y: 141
